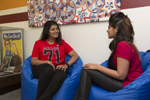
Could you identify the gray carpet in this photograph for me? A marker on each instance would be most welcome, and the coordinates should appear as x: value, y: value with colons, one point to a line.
x: 13, y: 95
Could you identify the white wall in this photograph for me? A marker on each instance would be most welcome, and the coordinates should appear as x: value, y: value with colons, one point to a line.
x: 90, y: 39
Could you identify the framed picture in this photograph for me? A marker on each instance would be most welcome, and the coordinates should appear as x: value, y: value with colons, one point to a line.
x: 70, y: 11
x: 12, y: 46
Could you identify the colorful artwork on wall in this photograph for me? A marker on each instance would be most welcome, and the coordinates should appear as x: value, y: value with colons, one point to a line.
x: 70, y: 11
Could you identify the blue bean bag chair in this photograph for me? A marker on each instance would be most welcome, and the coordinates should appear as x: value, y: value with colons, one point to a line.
x: 66, y: 92
x: 139, y: 89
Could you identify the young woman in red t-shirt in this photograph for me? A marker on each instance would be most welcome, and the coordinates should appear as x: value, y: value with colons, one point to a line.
x: 48, y: 60
x: 123, y: 65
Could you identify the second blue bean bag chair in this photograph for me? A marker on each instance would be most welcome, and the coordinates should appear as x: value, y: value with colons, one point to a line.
x: 139, y: 89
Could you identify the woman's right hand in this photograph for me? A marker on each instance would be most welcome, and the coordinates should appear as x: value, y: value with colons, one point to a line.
x: 35, y: 62
x: 49, y: 62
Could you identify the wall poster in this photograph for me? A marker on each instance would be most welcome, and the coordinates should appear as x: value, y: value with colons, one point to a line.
x: 12, y: 41
x: 70, y: 11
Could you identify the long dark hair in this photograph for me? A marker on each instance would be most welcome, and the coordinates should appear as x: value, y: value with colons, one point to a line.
x: 125, y: 33
x: 45, y: 32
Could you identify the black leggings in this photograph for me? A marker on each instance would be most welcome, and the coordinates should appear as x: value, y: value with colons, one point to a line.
x: 89, y: 76
x: 49, y: 80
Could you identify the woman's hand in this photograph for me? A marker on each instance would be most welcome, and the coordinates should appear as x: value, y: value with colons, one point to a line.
x: 13, y: 45
x: 49, y: 62
x: 91, y: 66
x: 63, y: 67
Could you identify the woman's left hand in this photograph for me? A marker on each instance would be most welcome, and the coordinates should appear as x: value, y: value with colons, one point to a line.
x: 90, y: 66
x: 63, y: 67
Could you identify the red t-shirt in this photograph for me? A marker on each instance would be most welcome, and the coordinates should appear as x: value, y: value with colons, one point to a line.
x: 128, y: 51
x: 55, y: 52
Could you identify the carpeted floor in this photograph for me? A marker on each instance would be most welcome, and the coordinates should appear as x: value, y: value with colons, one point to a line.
x: 13, y: 95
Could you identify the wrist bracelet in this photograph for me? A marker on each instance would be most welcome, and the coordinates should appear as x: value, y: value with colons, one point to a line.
x: 67, y: 64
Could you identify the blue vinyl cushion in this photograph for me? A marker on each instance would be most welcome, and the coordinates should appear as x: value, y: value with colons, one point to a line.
x: 139, y: 89
x: 66, y: 92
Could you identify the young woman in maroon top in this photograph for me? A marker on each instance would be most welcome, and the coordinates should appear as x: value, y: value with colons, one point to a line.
x: 123, y: 65
x: 48, y: 60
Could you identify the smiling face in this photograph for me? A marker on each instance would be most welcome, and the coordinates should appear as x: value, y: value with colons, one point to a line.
x: 111, y: 32
x: 53, y: 31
